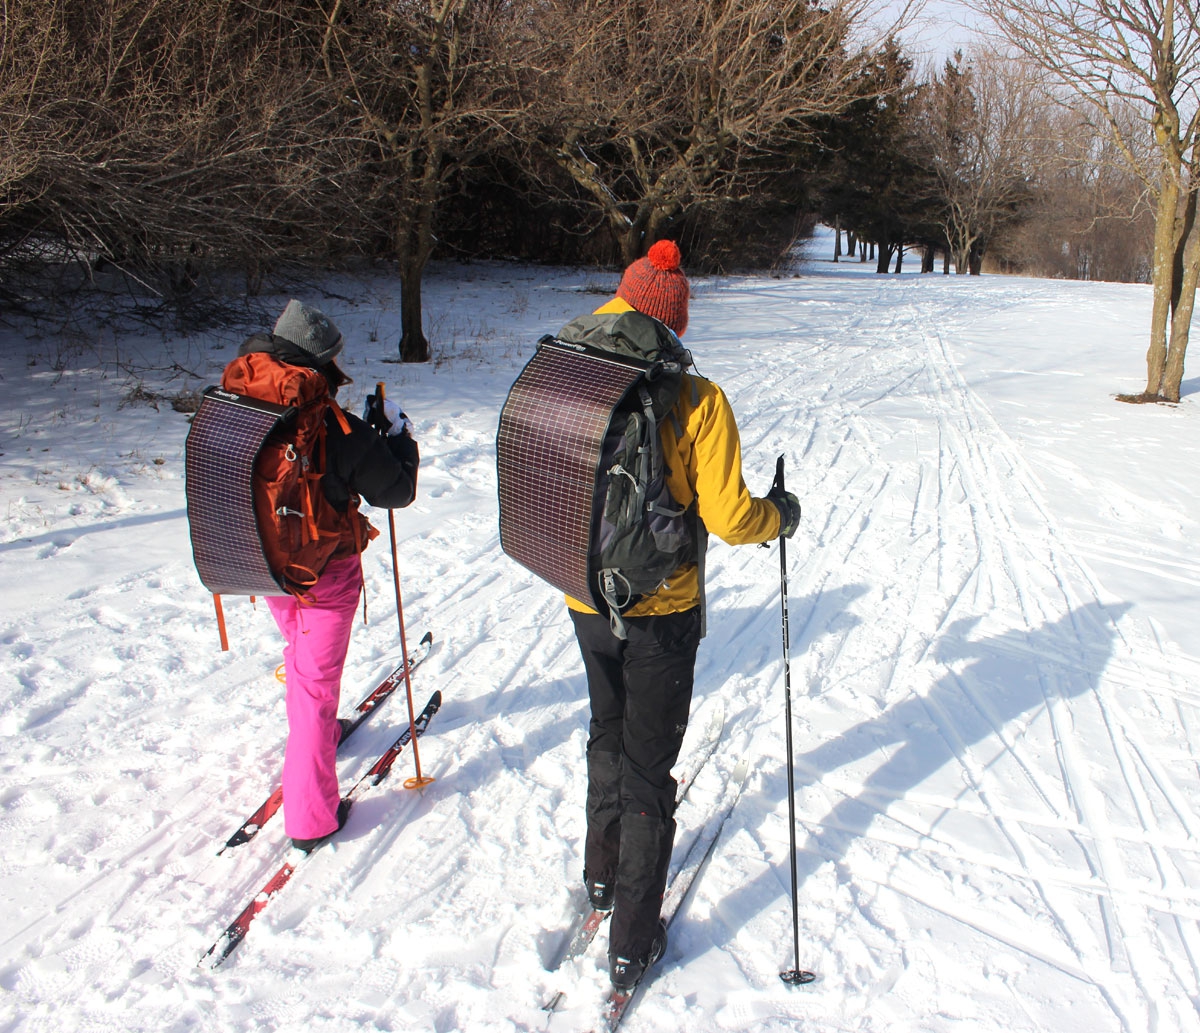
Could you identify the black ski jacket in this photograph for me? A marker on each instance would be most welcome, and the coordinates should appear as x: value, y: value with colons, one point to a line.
x: 381, y: 470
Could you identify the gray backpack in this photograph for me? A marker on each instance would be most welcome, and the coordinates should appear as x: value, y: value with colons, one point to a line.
x: 638, y: 534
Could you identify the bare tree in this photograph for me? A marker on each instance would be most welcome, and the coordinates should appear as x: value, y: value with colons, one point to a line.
x: 653, y: 106
x: 1113, y: 53
x: 161, y: 137
x: 1090, y: 217
x: 428, y: 89
x: 977, y: 122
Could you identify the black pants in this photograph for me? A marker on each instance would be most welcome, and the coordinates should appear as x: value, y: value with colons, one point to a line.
x: 641, y: 694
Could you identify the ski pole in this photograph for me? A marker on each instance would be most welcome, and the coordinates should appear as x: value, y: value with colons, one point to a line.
x: 793, y: 976
x: 418, y: 780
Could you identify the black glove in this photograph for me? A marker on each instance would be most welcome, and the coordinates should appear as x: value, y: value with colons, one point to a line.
x: 789, y: 510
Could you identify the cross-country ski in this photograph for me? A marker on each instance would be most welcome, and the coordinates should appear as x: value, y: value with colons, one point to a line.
x: 240, y: 926
x: 618, y: 1002
x: 588, y: 921
x: 369, y: 704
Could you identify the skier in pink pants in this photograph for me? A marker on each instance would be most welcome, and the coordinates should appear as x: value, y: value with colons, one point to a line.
x: 318, y: 636
x: 375, y: 461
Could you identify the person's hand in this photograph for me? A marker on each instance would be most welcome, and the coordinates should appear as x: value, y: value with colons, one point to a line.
x: 789, y: 511
x: 387, y: 418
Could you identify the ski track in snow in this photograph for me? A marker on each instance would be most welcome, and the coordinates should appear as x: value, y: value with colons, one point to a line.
x: 995, y: 774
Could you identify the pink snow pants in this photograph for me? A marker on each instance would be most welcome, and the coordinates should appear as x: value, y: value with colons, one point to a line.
x: 318, y: 636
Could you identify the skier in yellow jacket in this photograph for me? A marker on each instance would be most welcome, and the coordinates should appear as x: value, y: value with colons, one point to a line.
x: 640, y: 688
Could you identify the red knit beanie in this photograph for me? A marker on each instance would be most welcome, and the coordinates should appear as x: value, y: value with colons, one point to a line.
x: 656, y: 286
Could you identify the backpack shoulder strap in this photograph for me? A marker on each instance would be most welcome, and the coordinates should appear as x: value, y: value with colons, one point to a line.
x: 339, y: 414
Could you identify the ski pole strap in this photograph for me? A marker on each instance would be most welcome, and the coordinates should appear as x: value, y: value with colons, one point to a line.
x: 777, y: 483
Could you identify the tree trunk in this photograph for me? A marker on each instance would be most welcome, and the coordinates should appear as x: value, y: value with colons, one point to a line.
x: 414, y: 245
x: 899, y: 257
x: 885, y: 257
x: 927, y: 257
x: 1181, y: 317
x: 413, y: 345
x: 837, y: 239
x: 1162, y: 279
x: 630, y: 237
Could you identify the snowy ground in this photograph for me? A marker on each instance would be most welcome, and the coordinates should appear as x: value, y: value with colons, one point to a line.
x: 995, y: 629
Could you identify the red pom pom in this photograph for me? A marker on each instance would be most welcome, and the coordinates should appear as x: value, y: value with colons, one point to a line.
x: 665, y: 256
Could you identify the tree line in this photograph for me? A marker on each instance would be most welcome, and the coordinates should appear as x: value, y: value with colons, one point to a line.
x: 173, y: 140
x: 982, y: 160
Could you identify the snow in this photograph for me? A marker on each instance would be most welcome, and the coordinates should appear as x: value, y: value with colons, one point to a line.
x: 995, y: 624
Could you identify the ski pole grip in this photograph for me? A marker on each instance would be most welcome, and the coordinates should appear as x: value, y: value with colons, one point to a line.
x: 379, y: 414
x: 777, y: 483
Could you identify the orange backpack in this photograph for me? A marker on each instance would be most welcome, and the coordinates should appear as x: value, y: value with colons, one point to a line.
x: 300, y: 530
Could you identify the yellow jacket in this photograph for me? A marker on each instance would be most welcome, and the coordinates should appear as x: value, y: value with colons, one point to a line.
x: 704, y: 464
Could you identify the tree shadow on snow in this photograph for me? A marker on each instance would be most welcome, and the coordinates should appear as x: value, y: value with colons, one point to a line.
x: 745, y: 641
x: 1189, y: 387
x: 1007, y: 679
x: 68, y: 535
x: 511, y: 728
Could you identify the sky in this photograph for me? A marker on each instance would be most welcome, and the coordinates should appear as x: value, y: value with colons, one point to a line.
x: 939, y: 27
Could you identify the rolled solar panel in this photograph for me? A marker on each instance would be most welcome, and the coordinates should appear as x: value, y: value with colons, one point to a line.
x: 227, y: 434
x: 548, y: 446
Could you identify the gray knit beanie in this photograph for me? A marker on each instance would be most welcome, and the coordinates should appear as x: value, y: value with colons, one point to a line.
x: 311, y: 331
